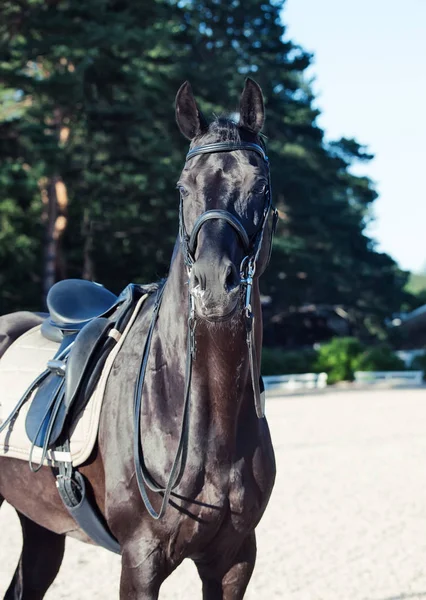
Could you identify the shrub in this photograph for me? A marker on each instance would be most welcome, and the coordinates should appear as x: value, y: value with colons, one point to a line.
x: 338, y: 358
x: 379, y: 358
x: 276, y: 361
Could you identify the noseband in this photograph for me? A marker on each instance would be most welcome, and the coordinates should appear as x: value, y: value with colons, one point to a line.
x: 252, y: 248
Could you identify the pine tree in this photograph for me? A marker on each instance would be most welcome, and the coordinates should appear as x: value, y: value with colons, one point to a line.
x: 95, y: 82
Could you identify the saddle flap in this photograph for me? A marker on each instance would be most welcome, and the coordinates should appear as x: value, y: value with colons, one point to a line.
x: 51, y: 406
x: 83, y: 352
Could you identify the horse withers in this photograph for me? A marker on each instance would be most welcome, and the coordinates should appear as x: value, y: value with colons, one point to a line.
x: 187, y: 473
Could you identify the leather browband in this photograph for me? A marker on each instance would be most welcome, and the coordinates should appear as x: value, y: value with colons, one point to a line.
x: 226, y: 147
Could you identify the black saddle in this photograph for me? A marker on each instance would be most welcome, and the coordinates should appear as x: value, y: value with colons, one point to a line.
x: 87, y: 320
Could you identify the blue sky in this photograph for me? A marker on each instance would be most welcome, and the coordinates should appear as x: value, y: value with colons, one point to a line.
x: 370, y: 81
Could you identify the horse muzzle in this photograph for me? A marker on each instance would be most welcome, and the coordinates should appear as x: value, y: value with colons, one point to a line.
x: 215, y: 289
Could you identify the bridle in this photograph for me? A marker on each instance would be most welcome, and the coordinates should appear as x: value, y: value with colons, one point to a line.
x: 252, y: 248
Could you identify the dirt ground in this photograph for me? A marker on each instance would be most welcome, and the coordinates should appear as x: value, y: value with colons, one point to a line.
x: 347, y: 519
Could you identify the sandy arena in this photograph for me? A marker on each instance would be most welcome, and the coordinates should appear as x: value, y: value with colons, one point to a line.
x: 347, y: 518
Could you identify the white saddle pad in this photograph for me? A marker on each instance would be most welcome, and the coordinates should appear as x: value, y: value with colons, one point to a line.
x: 22, y: 362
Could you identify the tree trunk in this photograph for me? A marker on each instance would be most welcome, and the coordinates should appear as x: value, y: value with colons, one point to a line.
x: 56, y: 200
x: 49, y: 271
x: 88, y: 266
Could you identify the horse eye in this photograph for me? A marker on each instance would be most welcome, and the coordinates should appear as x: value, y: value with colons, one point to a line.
x: 259, y: 188
x: 183, y: 191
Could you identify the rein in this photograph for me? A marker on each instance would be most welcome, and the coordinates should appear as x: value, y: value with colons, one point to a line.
x: 248, y: 266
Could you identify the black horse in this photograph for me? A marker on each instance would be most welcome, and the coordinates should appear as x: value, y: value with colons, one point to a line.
x: 201, y: 418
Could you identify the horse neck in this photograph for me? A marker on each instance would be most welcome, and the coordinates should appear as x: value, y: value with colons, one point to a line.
x: 221, y: 391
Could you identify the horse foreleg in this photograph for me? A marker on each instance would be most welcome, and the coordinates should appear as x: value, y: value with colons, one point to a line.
x: 143, y: 570
x: 229, y: 582
x: 41, y: 557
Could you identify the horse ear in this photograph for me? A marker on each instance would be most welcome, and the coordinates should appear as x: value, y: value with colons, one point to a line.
x: 252, y: 110
x: 188, y: 116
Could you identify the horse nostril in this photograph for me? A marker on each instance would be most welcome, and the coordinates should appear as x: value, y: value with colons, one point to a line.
x: 198, y: 278
x: 231, y: 278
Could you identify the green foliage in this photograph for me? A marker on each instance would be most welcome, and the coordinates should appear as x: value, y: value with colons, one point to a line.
x: 416, y: 283
x: 21, y: 235
x: 276, y: 361
x: 379, y: 358
x: 416, y: 292
x: 339, y: 358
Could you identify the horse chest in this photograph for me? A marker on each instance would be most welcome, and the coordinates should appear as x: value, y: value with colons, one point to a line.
x: 240, y: 501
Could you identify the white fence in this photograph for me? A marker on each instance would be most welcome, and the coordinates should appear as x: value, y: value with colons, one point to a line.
x: 300, y: 381
x: 395, y: 377
x: 311, y: 381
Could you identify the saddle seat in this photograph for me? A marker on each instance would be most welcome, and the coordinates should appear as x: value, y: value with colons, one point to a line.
x: 72, y: 303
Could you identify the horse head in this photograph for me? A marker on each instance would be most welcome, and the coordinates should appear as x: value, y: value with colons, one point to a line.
x: 225, y: 202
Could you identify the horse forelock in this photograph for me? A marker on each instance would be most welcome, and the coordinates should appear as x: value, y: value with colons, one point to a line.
x: 225, y: 129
